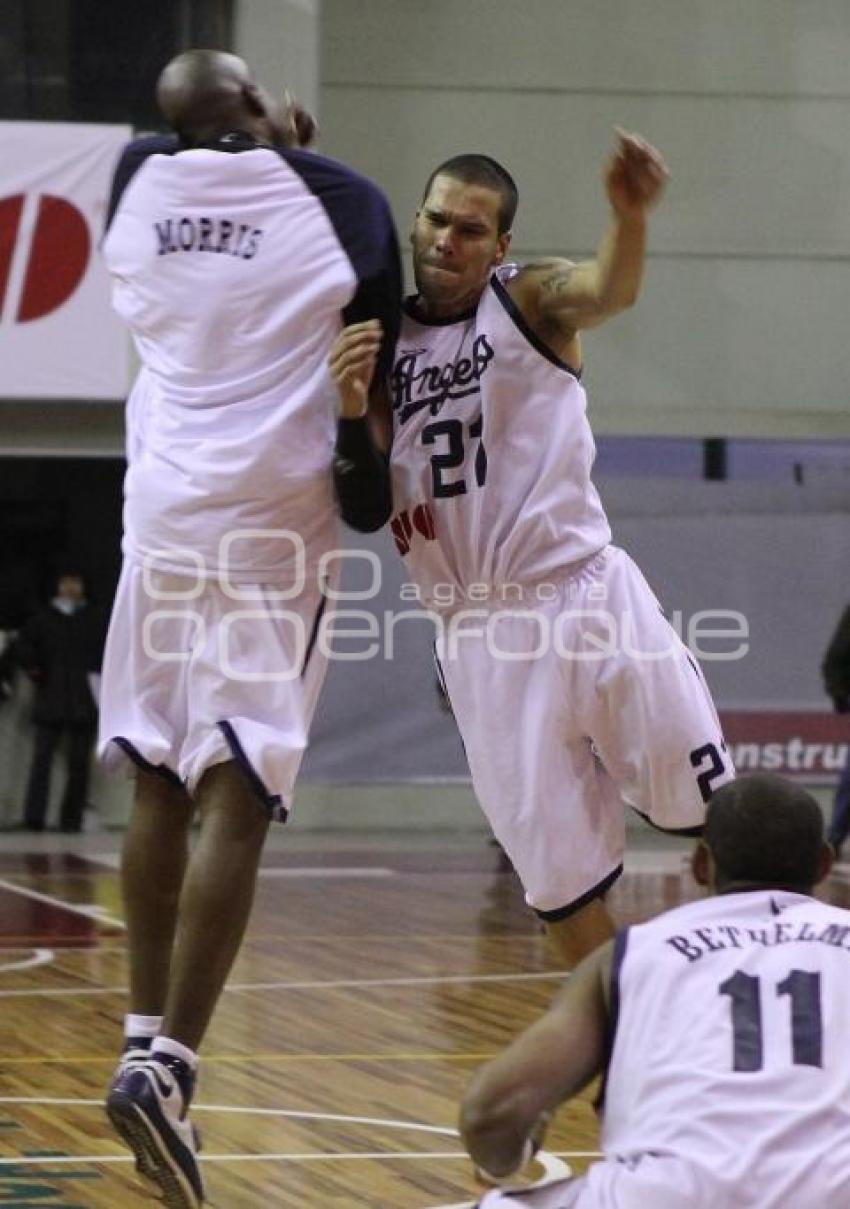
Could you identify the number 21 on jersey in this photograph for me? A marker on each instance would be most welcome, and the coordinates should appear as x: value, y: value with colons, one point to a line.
x: 452, y: 450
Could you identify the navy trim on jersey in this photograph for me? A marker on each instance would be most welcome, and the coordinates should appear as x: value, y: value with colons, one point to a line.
x: 531, y: 336
x: 618, y: 955
x: 232, y: 142
x: 361, y: 217
x: 694, y: 833
x: 161, y: 770
x: 132, y: 158
x: 598, y: 890
x: 621, y: 943
x: 441, y: 680
x: 314, y: 634
x: 441, y: 676
x: 271, y: 801
x: 411, y: 307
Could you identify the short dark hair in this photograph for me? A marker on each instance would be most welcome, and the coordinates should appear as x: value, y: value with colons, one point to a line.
x: 764, y: 830
x: 69, y: 571
x: 474, y: 169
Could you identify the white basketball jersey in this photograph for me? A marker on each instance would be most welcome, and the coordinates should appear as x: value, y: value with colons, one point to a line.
x: 235, y: 266
x: 492, y: 453
x: 730, y: 1047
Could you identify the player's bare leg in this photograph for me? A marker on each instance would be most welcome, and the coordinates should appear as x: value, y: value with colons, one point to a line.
x: 153, y: 865
x: 581, y: 933
x: 150, y: 1095
x: 218, y: 893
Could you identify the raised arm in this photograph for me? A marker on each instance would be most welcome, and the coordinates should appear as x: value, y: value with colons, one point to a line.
x: 560, y: 298
x: 510, y: 1100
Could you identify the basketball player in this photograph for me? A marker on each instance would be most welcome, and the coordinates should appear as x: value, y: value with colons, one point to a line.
x: 570, y: 689
x: 236, y: 257
x: 721, y: 1028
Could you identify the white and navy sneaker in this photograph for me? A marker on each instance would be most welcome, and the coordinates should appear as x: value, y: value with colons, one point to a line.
x: 148, y: 1104
x: 136, y: 1049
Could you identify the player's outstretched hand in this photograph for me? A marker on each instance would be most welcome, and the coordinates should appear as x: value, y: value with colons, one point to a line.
x: 352, y: 361
x: 635, y: 175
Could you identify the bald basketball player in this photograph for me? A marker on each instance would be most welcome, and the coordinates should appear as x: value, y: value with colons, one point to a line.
x: 236, y: 257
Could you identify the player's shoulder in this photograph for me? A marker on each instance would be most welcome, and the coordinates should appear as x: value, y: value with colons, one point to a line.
x: 357, y: 208
x: 530, y: 284
x: 546, y: 264
x: 321, y: 174
x: 546, y: 273
x: 144, y: 146
x: 133, y: 156
x: 138, y: 151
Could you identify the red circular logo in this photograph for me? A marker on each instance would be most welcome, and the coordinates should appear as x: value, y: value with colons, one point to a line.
x: 56, y: 258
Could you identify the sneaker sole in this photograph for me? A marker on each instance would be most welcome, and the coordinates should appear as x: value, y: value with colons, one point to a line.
x: 152, y: 1159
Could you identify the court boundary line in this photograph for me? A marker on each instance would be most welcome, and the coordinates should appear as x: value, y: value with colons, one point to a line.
x: 91, y: 911
x: 112, y: 862
x: 38, y: 957
x: 544, y: 1157
x: 305, y: 985
x: 300, y: 1156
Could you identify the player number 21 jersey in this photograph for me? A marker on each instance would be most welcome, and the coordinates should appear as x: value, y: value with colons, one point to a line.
x: 492, y: 452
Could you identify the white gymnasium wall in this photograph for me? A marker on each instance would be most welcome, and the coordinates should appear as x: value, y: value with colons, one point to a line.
x: 280, y: 39
x: 742, y: 329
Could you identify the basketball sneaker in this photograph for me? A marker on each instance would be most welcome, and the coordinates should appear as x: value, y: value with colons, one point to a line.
x: 148, y: 1106
x: 136, y: 1049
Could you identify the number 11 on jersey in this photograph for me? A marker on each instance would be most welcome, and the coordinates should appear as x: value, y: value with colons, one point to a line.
x: 803, y: 989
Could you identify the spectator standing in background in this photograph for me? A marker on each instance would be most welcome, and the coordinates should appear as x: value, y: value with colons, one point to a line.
x: 60, y: 648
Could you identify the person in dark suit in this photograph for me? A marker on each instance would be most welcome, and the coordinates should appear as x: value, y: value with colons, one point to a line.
x: 59, y: 648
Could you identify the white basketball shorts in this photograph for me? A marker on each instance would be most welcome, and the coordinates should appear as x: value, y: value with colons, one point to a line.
x: 194, y: 676
x: 567, y: 707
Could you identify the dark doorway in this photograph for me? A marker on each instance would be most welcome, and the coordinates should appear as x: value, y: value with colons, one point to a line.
x: 55, y: 512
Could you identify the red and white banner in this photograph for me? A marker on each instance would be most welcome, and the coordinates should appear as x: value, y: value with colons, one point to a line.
x: 807, y: 747
x: 59, y: 337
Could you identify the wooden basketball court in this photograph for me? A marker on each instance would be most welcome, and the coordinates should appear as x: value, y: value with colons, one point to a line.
x: 378, y: 972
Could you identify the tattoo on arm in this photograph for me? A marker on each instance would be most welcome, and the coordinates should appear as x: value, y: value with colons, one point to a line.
x: 556, y: 283
x: 554, y: 298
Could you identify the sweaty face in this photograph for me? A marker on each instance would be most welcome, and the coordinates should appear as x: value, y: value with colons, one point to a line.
x: 456, y: 244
